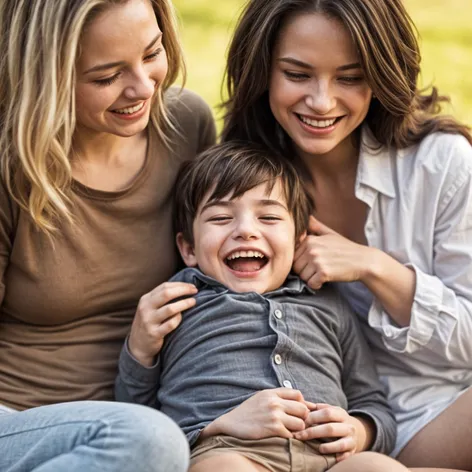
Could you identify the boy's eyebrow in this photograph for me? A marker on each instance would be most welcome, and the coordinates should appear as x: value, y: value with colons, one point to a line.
x: 272, y: 202
x: 110, y: 65
x: 305, y: 65
x: 229, y: 203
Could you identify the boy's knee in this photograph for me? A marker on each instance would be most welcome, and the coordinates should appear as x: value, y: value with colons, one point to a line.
x: 372, y: 462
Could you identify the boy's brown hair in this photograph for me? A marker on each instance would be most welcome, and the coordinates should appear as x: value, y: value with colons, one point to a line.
x: 233, y: 168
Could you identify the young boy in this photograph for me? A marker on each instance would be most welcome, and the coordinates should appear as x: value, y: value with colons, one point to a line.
x: 263, y: 373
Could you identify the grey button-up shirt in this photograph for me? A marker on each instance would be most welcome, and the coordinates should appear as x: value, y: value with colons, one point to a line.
x: 232, y: 345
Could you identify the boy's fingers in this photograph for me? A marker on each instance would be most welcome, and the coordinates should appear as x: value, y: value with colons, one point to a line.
x: 289, y: 394
x: 296, y: 409
x: 343, y: 456
x: 329, y: 430
x: 339, y: 446
x: 283, y: 432
x: 326, y: 415
x: 321, y: 406
x: 293, y: 424
x: 311, y: 406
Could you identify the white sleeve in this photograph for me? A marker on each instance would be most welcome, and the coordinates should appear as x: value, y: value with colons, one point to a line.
x: 441, y: 318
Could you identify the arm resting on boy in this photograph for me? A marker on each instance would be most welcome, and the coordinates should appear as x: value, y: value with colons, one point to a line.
x: 365, y: 394
x: 136, y: 383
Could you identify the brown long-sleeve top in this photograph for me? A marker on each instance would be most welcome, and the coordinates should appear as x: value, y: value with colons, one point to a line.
x: 66, y: 309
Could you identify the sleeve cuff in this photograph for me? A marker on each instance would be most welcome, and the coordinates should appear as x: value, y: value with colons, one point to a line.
x: 384, y: 440
x: 132, y: 369
x: 425, y: 312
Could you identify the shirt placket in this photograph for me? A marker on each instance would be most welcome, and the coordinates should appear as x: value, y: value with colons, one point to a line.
x: 279, y: 358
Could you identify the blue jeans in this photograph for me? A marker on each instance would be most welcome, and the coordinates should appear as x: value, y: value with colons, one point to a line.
x: 91, y: 437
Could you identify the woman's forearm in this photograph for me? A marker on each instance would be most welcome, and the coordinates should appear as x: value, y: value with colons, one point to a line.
x: 392, y: 283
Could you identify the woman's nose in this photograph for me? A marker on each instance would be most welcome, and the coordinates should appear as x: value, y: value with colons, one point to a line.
x: 321, y: 99
x: 141, y: 87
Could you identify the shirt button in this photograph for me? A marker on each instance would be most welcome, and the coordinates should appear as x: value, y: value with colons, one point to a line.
x: 278, y: 359
x: 278, y: 314
x: 287, y: 384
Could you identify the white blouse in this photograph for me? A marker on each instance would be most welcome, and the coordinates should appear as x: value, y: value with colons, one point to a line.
x: 420, y: 213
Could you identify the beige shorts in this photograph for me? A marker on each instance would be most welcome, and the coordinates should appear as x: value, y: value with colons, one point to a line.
x: 275, y: 454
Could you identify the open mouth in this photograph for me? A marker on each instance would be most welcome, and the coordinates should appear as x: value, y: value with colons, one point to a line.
x: 246, y: 261
x: 318, y: 124
x: 129, y: 110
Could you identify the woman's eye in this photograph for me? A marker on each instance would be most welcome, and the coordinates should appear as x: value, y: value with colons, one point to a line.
x: 295, y: 75
x: 152, y: 56
x: 108, y: 81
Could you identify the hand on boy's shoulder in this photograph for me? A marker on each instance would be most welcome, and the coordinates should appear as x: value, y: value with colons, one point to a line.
x: 156, y: 317
x: 326, y: 256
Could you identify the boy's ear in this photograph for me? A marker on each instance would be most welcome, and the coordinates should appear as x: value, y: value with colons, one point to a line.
x: 186, y: 251
x: 301, y: 238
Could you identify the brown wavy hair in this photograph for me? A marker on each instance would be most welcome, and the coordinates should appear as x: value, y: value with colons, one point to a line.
x: 386, y: 39
x: 233, y: 168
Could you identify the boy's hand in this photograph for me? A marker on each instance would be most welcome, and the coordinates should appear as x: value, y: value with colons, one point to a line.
x: 350, y: 434
x: 275, y: 412
x: 155, y: 318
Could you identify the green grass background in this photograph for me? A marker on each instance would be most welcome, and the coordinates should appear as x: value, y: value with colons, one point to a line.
x: 443, y: 25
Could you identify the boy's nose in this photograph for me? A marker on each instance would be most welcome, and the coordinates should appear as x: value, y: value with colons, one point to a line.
x: 246, y: 231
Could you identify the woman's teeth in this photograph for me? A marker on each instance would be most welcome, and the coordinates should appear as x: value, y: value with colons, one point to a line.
x: 130, y: 110
x: 317, y: 123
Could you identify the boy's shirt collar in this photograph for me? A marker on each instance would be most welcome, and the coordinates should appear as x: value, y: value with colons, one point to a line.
x: 192, y: 275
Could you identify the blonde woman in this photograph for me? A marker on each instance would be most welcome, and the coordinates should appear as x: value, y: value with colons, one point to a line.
x: 91, y: 139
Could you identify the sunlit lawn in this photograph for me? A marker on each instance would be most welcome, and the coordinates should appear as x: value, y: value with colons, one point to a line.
x: 444, y: 26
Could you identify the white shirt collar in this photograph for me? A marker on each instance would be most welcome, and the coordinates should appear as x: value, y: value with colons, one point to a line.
x: 375, y: 165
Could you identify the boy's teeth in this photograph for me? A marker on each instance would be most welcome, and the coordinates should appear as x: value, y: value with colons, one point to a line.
x: 129, y: 110
x: 317, y: 123
x: 237, y: 254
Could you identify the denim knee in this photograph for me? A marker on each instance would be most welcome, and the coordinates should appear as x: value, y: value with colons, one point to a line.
x: 153, y: 442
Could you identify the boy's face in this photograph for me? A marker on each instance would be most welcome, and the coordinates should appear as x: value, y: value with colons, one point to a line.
x: 247, y: 243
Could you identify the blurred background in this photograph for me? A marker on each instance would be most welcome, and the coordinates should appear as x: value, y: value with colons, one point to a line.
x: 443, y: 25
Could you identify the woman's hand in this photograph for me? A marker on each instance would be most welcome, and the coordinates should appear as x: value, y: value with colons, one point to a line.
x: 274, y: 412
x: 326, y: 256
x: 349, y: 434
x: 155, y: 318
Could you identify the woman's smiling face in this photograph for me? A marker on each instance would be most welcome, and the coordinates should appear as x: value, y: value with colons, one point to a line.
x: 317, y: 90
x: 122, y: 62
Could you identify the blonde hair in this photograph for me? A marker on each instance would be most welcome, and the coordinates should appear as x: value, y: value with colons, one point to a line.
x: 39, y: 44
